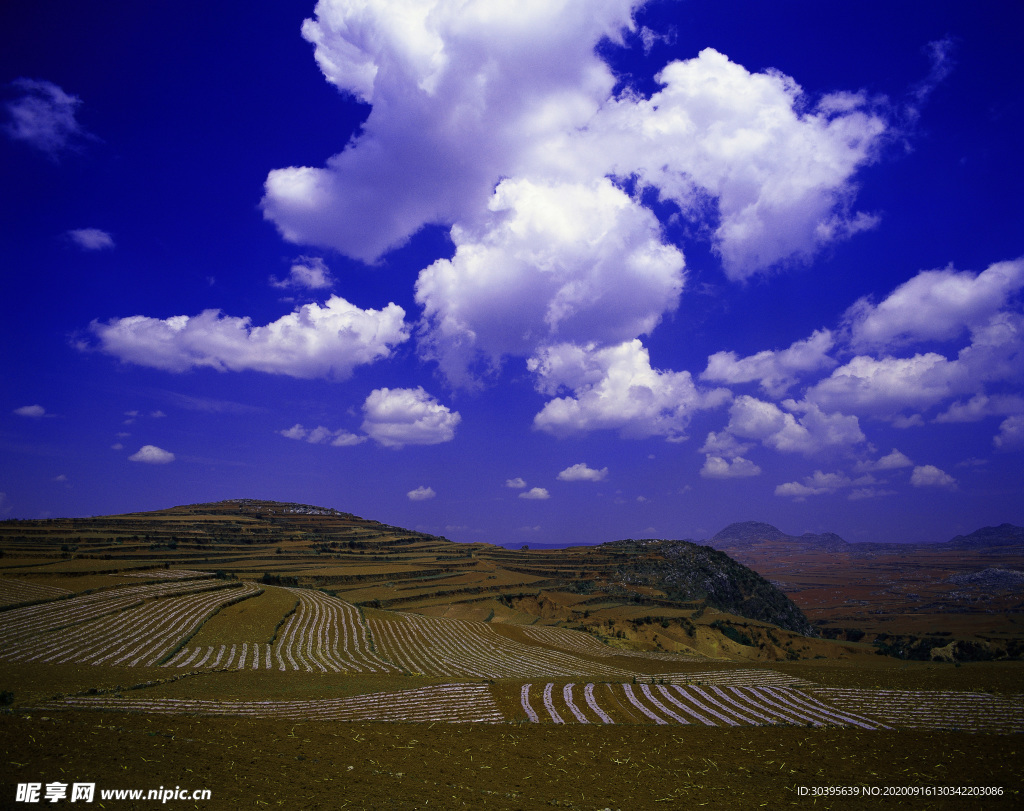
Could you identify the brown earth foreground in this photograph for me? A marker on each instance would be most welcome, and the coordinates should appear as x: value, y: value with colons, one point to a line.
x: 256, y: 763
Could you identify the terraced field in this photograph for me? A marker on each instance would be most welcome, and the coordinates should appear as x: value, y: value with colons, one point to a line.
x: 261, y: 613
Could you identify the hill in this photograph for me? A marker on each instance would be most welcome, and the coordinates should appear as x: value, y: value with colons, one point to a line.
x: 1002, y: 536
x: 751, y: 533
x: 387, y: 567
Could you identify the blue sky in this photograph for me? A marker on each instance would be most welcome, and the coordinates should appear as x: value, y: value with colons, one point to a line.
x: 517, y: 272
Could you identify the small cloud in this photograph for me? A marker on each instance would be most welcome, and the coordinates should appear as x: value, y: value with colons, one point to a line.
x: 931, y: 476
x: 322, y: 436
x: 398, y: 417
x: 716, y: 467
x: 309, y: 272
x: 535, y: 493
x: 34, y: 411
x: 642, y: 499
x: 117, y: 446
x: 904, y: 421
x: 43, y: 116
x: 1011, y: 434
x: 891, y: 461
x: 60, y: 478
x: 157, y: 415
x: 518, y: 483
x: 152, y: 455
x: 421, y: 494
x: 581, y: 473
x: 91, y: 239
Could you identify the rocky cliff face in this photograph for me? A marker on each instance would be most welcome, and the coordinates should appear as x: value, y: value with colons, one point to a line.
x: 686, y: 571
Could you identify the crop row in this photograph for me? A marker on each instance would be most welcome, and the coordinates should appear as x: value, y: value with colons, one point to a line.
x: 167, y: 574
x: 139, y: 635
x: 324, y: 634
x: 239, y: 657
x: 35, y: 620
x: 435, y: 646
x: 744, y: 677
x: 675, y: 704
x: 18, y: 591
x: 454, y: 703
x: 933, y: 709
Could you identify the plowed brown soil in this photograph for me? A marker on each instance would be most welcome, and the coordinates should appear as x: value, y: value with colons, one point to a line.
x: 255, y: 763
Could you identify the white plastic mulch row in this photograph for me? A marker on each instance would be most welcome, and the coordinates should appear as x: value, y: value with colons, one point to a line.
x: 247, y: 655
x: 456, y: 703
x: 327, y: 634
x: 737, y: 678
x: 677, y: 704
x: 933, y: 709
x: 140, y: 635
x: 21, y: 591
x: 166, y: 574
x: 34, y: 620
x: 437, y: 646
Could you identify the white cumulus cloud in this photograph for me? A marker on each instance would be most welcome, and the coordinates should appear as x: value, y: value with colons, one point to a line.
x: 550, y: 263
x: 399, y: 417
x: 421, y: 494
x: 582, y: 473
x: 1011, y: 434
x: 981, y: 406
x: 935, y: 305
x: 820, y: 483
x: 801, y: 428
x: 518, y: 483
x: 307, y: 272
x: 465, y: 93
x: 893, y: 460
x: 461, y: 93
x: 778, y: 167
x: 535, y: 493
x: 313, y: 341
x: 717, y: 467
x: 615, y: 389
x: 776, y: 371
x: 931, y: 476
x: 152, y: 455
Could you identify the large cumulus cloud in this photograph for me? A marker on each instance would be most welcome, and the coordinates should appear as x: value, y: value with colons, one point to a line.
x: 552, y: 263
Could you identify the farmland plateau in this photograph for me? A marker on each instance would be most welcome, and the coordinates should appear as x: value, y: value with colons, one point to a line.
x: 287, y: 655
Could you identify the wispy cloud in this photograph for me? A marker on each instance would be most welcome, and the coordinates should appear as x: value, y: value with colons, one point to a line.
x: 43, y: 116
x: 91, y: 239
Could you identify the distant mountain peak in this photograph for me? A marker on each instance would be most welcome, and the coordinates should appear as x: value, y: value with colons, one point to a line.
x: 1002, y: 535
x: 748, y: 533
